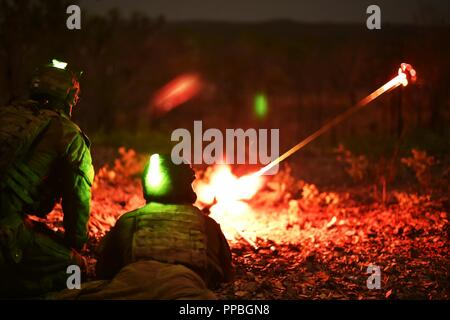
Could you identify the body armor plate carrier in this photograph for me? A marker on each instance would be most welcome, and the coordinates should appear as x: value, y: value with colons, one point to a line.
x: 171, y: 234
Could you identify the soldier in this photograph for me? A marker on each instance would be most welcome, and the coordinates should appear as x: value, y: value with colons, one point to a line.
x: 45, y: 157
x: 167, y: 249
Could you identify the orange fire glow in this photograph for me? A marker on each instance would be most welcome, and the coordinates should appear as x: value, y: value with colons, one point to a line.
x: 234, y: 204
x: 226, y: 194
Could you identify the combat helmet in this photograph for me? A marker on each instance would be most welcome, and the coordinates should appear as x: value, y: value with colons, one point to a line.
x: 166, y: 182
x: 56, y: 86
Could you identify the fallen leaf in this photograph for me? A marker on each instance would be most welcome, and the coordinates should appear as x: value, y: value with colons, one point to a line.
x: 388, y: 294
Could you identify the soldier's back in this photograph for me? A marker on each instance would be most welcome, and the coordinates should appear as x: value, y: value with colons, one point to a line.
x: 169, y: 233
x: 32, y: 141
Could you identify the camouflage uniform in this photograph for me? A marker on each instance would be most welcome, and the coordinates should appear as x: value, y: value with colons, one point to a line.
x: 48, y: 159
x: 167, y: 249
x: 143, y: 280
x: 160, y: 251
x: 169, y: 233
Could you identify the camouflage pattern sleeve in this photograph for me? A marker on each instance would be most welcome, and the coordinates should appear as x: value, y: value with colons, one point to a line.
x: 78, y: 175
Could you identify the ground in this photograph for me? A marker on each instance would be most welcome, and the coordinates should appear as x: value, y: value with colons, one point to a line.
x: 299, y: 242
x: 334, y: 249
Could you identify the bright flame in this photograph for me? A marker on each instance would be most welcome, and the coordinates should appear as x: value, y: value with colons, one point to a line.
x: 226, y: 194
x: 224, y: 186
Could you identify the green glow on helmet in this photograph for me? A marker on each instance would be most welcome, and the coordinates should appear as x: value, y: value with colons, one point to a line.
x: 157, y: 180
x: 154, y: 175
x: 59, y: 64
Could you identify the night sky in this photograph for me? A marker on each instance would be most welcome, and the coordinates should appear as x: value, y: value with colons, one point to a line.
x: 393, y: 11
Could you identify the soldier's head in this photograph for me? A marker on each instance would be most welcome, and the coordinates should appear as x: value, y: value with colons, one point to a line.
x: 56, y: 86
x: 165, y: 182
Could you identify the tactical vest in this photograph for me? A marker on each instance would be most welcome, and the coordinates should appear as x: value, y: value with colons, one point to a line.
x: 20, y: 126
x: 170, y: 233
